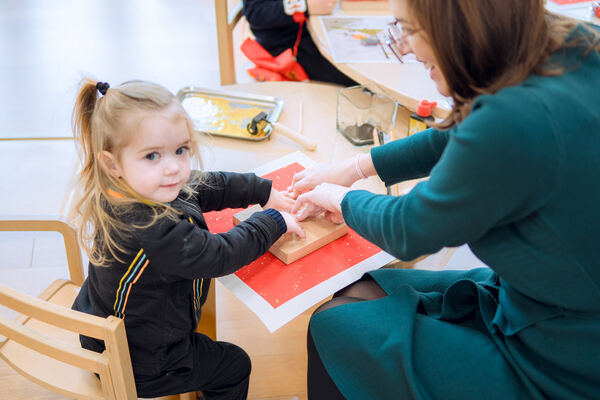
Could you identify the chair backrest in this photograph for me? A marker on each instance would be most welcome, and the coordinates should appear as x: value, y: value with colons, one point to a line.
x: 50, y: 224
x: 226, y: 23
x: 42, y: 343
x: 45, y: 348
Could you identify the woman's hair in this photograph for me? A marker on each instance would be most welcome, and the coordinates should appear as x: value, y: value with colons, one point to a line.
x: 108, y: 123
x: 482, y: 46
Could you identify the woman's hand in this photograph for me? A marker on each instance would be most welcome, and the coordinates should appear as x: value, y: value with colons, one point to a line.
x: 341, y: 173
x: 326, y: 197
x: 279, y: 201
x: 320, y: 7
x: 292, y: 224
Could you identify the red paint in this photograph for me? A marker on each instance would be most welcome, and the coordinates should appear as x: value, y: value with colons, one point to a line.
x: 277, y: 282
x: 565, y: 2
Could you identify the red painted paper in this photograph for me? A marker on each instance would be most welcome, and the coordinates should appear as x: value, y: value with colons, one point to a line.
x: 566, y: 2
x: 277, y: 282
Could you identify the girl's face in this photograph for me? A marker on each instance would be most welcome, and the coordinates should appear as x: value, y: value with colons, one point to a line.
x: 417, y: 43
x: 156, y: 162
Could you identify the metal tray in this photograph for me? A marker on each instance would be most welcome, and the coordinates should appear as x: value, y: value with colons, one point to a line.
x: 224, y: 113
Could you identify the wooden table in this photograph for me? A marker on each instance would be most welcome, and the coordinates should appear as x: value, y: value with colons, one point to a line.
x: 319, y: 105
x: 279, y: 359
x: 408, y: 82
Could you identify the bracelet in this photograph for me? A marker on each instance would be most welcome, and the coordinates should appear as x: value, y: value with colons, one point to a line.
x: 359, y: 172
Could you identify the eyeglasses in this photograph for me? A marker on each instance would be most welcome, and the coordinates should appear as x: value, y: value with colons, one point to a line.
x: 395, y: 38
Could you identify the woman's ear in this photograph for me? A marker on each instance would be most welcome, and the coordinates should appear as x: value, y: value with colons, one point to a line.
x: 109, y: 163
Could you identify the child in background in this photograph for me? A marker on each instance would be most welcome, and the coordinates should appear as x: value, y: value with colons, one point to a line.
x: 277, y: 31
x: 151, y: 254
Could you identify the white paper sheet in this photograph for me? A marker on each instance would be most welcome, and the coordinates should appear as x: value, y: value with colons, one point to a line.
x: 274, y: 318
x: 344, y: 38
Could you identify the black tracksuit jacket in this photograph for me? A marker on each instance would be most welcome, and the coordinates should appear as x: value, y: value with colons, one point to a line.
x: 165, y: 278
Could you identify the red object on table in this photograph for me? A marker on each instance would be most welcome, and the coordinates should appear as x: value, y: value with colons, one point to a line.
x: 284, y: 67
x: 568, y: 2
x: 277, y: 282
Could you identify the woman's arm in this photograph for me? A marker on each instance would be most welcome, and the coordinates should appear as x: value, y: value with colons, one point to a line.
x: 409, y: 158
x: 403, y: 159
x: 496, y: 169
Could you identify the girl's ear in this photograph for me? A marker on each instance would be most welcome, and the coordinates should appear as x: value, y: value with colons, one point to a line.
x: 109, y: 163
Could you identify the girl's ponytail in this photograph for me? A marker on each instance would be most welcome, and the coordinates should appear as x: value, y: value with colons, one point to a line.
x: 81, y: 121
x: 90, y: 201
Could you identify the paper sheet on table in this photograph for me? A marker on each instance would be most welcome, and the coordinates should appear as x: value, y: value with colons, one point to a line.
x: 570, y: 3
x: 577, y: 9
x: 346, y: 35
x: 277, y: 292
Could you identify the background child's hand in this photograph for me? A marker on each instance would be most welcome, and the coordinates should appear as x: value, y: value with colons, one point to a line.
x: 293, y: 225
x: 279, y: 201
x: 320, y: 7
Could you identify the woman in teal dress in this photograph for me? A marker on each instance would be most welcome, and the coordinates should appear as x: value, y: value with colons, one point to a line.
x: 514, y: 172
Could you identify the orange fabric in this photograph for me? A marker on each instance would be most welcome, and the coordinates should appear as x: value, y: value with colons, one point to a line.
x: 284, y: 67
x: 114, y: 193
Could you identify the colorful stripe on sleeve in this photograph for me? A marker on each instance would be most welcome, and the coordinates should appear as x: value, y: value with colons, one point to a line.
x: 131, y: 276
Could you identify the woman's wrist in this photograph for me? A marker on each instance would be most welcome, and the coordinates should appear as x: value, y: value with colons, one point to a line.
x: 362, y: 166
x: 357, y: 168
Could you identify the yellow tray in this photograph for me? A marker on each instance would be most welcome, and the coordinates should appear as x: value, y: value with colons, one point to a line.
x: 224, y: 113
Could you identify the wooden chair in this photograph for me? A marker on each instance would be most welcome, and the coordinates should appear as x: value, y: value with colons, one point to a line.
x: 42, y: 344
x: 226, y: 23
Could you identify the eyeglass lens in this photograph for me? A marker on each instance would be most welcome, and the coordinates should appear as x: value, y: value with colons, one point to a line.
x: 395, y: 39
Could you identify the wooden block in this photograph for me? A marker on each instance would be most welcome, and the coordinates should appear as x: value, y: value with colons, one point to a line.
x: 245, y: 214
x: 290, y: 247
x: 319, y: 232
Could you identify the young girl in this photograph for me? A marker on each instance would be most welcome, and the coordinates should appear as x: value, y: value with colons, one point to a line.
x: 151, y: 254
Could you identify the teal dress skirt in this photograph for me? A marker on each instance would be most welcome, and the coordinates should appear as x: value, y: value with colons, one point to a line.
x: 519, y: 182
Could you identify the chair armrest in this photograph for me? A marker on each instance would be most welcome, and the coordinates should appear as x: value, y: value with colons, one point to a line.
x: 50, y: 224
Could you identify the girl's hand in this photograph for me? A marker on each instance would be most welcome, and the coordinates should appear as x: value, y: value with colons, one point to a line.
x: 293, y: 225
x: 279, y: 201
x: 327, y: 197
x: 342, y: 173
x: 320, y: 7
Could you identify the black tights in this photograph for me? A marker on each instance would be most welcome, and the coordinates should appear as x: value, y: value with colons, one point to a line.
x: 319, y: 383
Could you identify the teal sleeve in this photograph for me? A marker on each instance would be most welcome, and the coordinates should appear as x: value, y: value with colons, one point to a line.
x: 409, y: 158
x: 498, y: 166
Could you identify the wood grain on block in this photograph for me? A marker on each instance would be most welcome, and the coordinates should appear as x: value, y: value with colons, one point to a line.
x: 290, y: 247
x: 245, y: 214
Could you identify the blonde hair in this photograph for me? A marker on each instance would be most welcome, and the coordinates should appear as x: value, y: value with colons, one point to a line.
x: 108, y: 123
x: 483, y: 46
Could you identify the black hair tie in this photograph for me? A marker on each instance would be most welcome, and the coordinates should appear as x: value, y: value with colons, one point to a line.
x: 102, y: 87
